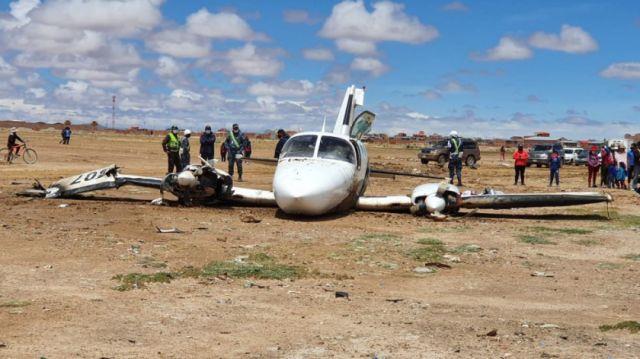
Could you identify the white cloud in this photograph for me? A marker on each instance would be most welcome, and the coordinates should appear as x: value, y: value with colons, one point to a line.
x: 183, y: 99
x: 289, y: 88
x: 224, y: 25
x: 418, y: 116
x: 37, y: 92
x: 179, y: 43
x: 80, y: 92
x: 431, y: 95
x: 622, y: 70
x: 168, y: 67
x: 318, y: 54
x: 572, y: 39
x: 103, y: 78
x: 369, y: 64
x: 508, y: 48
x: 453, y: 86
x: 247, y: 60
x: 358, y: 30
x: 6, y: 69
x: 116, y: 17
x: 298, y: 17
x: 14, y: 105
x: 455, y: 6
x: 19, y: 11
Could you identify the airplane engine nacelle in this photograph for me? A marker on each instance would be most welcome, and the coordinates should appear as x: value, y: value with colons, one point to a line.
x: 433, y: 198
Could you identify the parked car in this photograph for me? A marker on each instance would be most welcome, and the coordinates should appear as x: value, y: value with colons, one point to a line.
x: 571, y: 154
x: 582, y: 158
x: 440, y: 153
x: 539, y: 154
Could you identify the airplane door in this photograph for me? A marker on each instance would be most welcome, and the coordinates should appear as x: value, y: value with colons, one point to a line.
x: 362, y: 124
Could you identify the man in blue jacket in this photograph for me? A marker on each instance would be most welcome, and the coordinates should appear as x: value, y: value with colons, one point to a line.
x: 630, y: 162
x: 207, y: 144
x: 283, y: 137
x: 235, y: 144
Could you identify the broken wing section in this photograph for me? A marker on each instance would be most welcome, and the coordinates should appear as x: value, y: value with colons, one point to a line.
x: 254, y: 197
x: 100, y: 179
x: 498, y: 200
x: 384, y: 203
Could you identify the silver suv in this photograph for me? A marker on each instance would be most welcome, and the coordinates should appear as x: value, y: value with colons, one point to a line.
x: 539, y: 154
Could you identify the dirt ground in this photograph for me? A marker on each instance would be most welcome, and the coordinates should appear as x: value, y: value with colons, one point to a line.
x: 57, y: 264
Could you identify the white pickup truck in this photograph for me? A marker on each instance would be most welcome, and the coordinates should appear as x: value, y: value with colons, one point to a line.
x: 571, y: 154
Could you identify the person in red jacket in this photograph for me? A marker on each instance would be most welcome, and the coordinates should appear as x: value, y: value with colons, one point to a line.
x: 520, y: 156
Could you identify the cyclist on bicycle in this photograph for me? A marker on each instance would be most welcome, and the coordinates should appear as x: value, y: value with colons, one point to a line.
x: 11, y: 141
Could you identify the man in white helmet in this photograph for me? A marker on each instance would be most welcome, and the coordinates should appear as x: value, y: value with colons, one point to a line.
x: 185, y: 148
x: 11, y: 141
x: 455, y: 157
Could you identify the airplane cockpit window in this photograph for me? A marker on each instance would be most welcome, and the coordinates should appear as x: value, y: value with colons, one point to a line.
x: 300, y: 146
x: 336, y: 149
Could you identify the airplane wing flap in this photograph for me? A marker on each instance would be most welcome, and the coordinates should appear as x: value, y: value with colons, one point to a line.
x: 253, y: 196
x: 523, y: 200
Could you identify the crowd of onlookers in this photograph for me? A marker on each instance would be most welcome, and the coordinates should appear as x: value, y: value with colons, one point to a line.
x: 617, y: 169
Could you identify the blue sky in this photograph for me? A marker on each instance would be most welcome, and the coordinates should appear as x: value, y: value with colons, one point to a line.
x: 485, y: 68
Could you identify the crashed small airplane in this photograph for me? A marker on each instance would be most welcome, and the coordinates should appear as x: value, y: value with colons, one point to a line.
x: 317, y: 173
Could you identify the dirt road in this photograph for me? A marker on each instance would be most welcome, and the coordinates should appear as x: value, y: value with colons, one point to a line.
x: 522, y: 283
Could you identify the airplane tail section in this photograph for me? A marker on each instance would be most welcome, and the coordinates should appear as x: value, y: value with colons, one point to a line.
x: 352, y: 97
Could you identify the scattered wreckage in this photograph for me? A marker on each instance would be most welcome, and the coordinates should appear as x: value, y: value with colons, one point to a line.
x: 317, y: 173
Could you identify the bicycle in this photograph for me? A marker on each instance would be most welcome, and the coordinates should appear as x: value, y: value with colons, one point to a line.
x: 29, y: 155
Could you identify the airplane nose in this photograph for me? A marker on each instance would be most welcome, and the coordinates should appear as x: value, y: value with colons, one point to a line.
x: 311, y: 186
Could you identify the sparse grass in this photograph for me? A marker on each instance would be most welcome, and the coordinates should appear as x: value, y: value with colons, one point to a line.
x: 633, y: 257
x: 530, y: 239
x: 258, y: 265
x: 631, y: 325
x: 550, y: 230
x: 430, y: 241
x: 151, y: 262
x: 431, y: 250
x: 466, y: 248
x: 15, y: 304
x: 139, y: 280
x: 609, y: 265
x: 267, y: 270
x: 628, y: 221
x: 377, y: 237
x: 588, y: 242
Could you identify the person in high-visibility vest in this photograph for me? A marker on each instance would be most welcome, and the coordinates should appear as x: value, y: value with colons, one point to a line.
x: 455, y: 157
x: 235, y: 145
x: 171, y: 146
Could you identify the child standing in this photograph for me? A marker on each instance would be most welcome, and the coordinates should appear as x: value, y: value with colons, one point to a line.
x: 555, y: 162
x: 612, y: 171
x: 621, y: 176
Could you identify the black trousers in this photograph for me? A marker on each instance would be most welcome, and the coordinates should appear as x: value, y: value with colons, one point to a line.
x: 173, y: 160
x: 554, y: 174
x: 232, y: 159
x: 520, y: 172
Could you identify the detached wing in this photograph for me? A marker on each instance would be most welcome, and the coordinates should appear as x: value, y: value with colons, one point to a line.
x: 100, y: 179
x: 256, y: 197
x: 522, y: 200
x: 384, y: 203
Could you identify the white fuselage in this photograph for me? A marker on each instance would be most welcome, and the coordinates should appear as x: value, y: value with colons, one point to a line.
x: 320, y: 172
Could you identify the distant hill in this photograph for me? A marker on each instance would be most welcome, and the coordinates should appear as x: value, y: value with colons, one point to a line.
x: 37, y: 126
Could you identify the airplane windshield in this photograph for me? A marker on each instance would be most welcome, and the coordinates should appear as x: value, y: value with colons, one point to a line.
x: 300, y: 146
x: 335, y: 149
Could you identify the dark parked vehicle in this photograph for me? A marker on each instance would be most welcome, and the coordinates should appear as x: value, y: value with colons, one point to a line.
x: 582, y: 158
x: 539, y: 154
x: 440, y: 153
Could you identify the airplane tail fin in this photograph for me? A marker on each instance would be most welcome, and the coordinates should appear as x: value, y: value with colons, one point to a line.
x: 352, y: 97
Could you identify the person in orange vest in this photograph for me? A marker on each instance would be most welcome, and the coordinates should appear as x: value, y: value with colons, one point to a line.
x: 520, y: 156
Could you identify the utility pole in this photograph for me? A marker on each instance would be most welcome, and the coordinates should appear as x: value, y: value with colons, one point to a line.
x: 113, y: 112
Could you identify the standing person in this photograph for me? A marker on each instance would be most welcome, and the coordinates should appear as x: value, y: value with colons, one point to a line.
x: 554, y: 168
x: 235, y: 144
x: 171, y: 146
x: 606, y: 161
x: 612, y: 171
x: 621, y: 176
x: 282, y: 139
x: 11, y: 142
x: 455, y: 157
x: 520, y: 156
x: 185, y: 149
x: 593, y: 163
x: 630, y: 163
x: 208, y: 145
x: 636, y: 167
x: 66, y: 135
x: 503, y: 151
